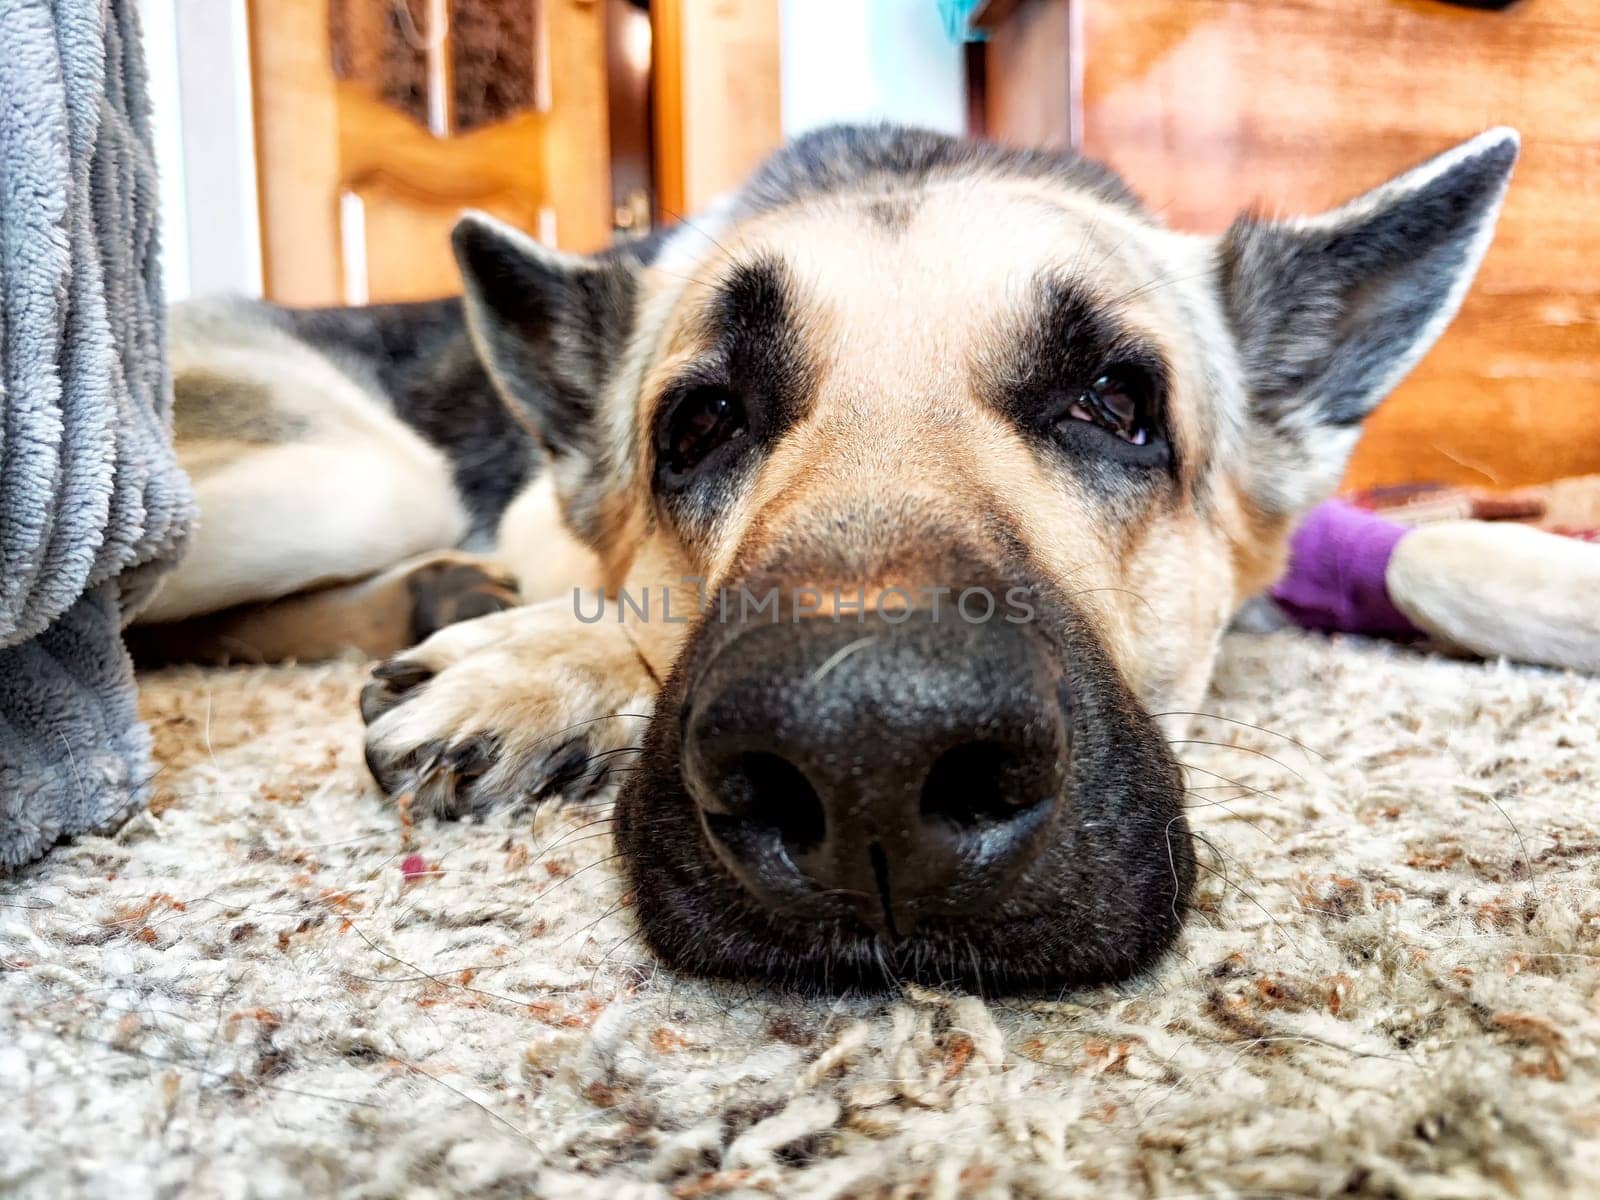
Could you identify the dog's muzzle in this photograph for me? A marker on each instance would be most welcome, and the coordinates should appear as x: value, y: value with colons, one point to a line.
x: 895, y: 771
x: 854, y: 801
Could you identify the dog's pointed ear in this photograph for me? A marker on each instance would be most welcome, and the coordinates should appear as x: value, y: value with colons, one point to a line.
x: 1329, y: 313
x: 547, y: 325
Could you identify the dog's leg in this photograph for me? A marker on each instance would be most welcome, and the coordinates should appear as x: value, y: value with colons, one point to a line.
x: 302, y: 474
x: 275, y: 520
x: 378, y: 501
x: 377, y: 617
x: 514, y: 707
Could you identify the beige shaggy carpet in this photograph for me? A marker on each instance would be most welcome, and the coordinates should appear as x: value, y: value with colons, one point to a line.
x: 275, y: 985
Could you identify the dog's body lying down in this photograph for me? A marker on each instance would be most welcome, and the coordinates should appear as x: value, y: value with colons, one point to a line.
x: 922, y: 475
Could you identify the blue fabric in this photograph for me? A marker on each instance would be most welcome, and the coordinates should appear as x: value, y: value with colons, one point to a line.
x: 93, y: 506
x: 957, y: 16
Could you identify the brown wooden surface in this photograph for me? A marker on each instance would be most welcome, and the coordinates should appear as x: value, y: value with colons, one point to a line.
x: 405, y: 236
x: 1028, y: 98
x: 717, y: 97
x: 340, y: 169
x: 1206, y: 106
x: 575, y: 147
x: 297, y: 150
x: 413, y: 186
x: 666, y: 29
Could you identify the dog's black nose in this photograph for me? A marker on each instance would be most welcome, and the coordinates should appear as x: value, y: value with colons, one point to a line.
x: 903, y: 767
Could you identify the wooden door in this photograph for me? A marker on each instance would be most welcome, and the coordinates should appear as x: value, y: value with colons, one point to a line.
x: 378, y: 121
x: 717, y: 98
x: 1206, y: 106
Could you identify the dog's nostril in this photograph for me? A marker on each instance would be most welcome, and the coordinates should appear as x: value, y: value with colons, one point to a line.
x: 770, y: 791
x: 982, y: 783
x: 895, y: 780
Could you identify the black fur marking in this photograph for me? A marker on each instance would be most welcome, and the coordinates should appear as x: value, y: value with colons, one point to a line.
x: 890, y: 158
x: 756, y: 353
x: 1321, y: 314
x: 1063, y: 343
x: 754, y: 332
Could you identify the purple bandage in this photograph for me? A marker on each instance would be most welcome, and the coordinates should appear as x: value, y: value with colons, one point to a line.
x: 1337, y: 561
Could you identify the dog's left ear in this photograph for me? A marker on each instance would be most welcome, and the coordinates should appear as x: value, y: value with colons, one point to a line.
x: 1331, y: 312
x: 549, y: 326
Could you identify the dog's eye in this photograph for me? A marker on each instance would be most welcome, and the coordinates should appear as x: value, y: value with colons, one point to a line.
x: 699, y: 421
x: 1118, y: 401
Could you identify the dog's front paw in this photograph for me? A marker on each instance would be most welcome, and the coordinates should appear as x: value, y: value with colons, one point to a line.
x: 504, y: 710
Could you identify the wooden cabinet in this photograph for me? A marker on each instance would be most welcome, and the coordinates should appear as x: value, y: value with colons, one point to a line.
x: 378, y: 121
x: 717, y: 97
x: 1293, y: 105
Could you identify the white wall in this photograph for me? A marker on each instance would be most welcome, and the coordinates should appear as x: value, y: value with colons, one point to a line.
x: 199, y: 60
x: 161, y: 58
x: 869, y: 60
x: 219, y: 147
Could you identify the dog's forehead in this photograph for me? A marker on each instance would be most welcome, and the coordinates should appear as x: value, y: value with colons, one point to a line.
x: 963, y: 248
x: 919, y: 278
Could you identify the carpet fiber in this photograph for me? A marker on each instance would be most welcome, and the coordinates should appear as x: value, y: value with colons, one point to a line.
x: 275, y: 984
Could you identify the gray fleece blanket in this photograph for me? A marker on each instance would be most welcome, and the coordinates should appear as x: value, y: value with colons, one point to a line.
x: 92, y: 503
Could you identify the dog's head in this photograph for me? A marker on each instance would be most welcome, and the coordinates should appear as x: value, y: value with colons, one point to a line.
x: 976, y: 460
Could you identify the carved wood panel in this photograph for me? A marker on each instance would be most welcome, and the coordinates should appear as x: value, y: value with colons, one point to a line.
x: 379, y: 121
x: 451, y: 65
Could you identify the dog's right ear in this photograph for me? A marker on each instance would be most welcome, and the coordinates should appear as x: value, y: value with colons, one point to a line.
x: 1330, y: 312
x: 547, y: 325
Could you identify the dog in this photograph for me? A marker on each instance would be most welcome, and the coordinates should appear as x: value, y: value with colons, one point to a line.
x: 863, y: 529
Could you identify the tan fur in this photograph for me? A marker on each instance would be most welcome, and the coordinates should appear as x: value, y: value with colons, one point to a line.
x: 896, y: 324
x: 375, y: 616
x: 539, y: 550
x: 308, y: 482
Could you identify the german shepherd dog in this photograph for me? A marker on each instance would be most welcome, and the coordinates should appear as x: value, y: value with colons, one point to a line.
x: 863, y: 528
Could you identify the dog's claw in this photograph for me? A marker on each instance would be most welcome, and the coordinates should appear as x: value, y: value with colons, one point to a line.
x: 562, y: 767
x: 484, y: 716
x: 392, y: 681
x: 468, y: 760
x: 438, y: 786
x: 442, y: 777
x: 390, y: 774
x: 402, y: 673
x: 376, y: 699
